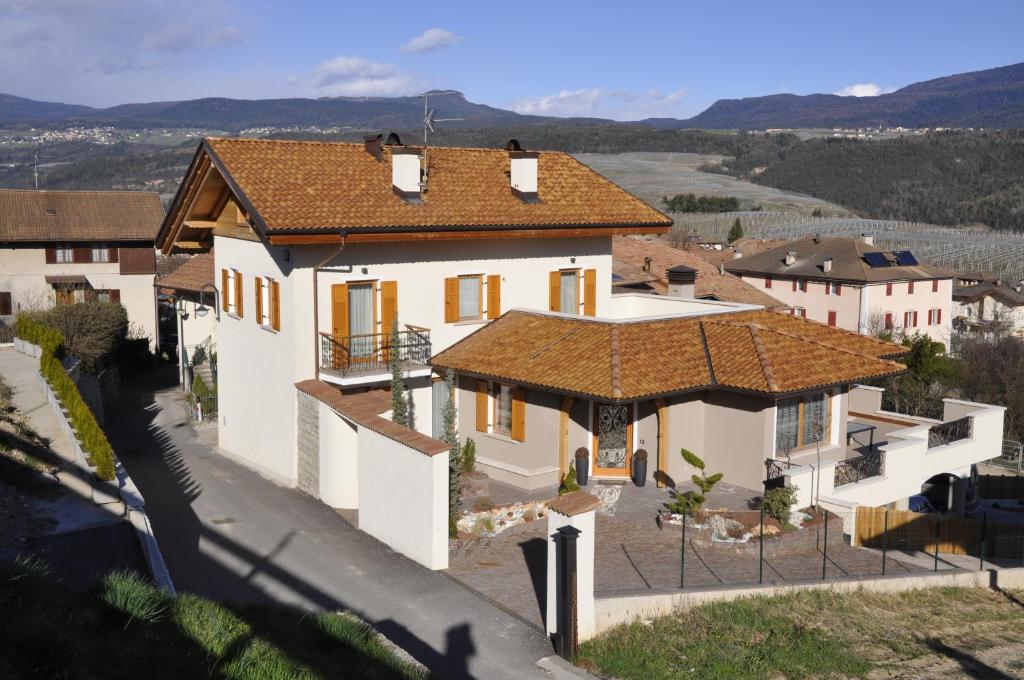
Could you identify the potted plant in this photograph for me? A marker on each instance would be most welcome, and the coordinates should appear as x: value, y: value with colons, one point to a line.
x: 582, y: 465
x: 640, y: 467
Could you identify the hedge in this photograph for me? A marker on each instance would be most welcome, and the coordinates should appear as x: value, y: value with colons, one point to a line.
x: 91, y: 436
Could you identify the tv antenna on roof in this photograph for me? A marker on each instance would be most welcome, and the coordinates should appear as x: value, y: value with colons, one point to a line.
x: 428, y: 113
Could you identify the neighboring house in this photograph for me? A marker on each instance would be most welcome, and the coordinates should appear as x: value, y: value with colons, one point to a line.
x: 851, y: 284
x: 61, y: 247
x: 642, y: 265
x: 988, y: 307
x: 192, y: 292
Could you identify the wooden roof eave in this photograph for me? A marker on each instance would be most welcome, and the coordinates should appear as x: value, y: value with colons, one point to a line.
x: 447, y: 233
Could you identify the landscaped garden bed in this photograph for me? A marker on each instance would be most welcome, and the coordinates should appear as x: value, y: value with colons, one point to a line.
x: 489, y: 522
x: 740, y: 531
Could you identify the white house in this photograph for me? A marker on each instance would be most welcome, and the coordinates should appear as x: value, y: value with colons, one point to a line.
x: 989, y: 306
x: 60, y: 247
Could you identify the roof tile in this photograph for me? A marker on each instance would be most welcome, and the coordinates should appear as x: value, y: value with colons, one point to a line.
x: 79, y: 215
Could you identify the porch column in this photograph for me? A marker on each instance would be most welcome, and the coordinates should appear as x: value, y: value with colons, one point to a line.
x: 569, y: 514
x: 662, y: 471
x: 563, y: 437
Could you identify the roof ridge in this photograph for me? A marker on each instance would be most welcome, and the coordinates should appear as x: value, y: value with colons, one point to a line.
x: 616, y: 361
x: 707, y: 353
x: 828, y: 345
x: 762, y: 357
x: 339, y: 142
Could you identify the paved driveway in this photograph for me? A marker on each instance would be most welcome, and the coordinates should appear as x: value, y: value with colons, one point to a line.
x: 230, y: 534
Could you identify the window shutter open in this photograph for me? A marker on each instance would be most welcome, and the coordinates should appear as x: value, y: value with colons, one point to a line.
x: 590, y: 292
x: 224, y: 290
x: 888, y: 320
x: 888, y: 289
x: 5, y: 303
x: 839, y: 289
x: 555, y: 291
x: 451, y: 299
x: 493, y: 296
x: 519, y: 414
x: 113, y: 254
x: 275, y: 305
x: 239, y: 309
x: 481, y: 405
x: 51, y: 255
x: 938, y: 316
x: 115, y: 295
x: 81, y: 255
x: 831, y: 318
x: 794, y: 285
x: 259, y: 301
x: 388, y: 305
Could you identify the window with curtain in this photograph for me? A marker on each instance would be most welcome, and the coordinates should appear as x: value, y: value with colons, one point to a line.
x: 65, y: 253
x: 801, y: 422
x: 100, y: 252
x: 815, y: 415
x: 787, y: 425
x: 469, y: 297
x: 569, y: 301
x: 503, y: 409
x: 360, y: 319
x: 440, y: 396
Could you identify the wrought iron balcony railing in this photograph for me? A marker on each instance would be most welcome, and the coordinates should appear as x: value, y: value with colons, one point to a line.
x: 950, y: 432
x: 372, y: 352
x: 857, y: 469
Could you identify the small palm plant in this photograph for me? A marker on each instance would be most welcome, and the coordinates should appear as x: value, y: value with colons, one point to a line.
x: 687, y: 502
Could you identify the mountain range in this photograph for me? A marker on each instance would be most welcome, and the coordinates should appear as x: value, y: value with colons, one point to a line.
x: 990, y: 98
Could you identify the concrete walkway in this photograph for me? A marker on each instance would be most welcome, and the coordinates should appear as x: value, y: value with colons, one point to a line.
x: 230, y: 534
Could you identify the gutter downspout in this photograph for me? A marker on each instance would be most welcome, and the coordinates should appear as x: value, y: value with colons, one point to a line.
x: 316, y: 305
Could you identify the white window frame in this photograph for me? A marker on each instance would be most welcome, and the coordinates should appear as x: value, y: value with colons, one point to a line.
x: 265, y: 303
x: 492, y: 408
x: 482, y: 280
x: 800, y: 312
x: 933, y: 316
x: 64, y: 253
x: 831, y: 288
x: 100, y: 252
x: 578, y: 308
x: 232, y: 277
x: 909, y: 318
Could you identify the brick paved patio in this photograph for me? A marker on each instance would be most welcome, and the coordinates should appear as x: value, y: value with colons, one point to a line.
x: 633, y: 555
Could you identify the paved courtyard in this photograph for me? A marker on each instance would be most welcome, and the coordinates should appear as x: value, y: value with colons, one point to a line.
x: 634, y: 554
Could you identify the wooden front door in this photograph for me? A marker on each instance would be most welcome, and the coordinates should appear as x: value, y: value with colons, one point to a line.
x: 613, y: 439
x: 65, y: 296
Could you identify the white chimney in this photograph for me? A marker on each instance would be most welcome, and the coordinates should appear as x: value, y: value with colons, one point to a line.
x: 790, y: 258
x: 827, y: 265
x: 524, y: 173
x: 867, y: 240
x: 405, y: 172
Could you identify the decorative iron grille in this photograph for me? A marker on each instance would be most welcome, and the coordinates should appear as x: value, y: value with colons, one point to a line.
x: 371, y: 353
x: 862, y: 467
x: 950, y: 432
x: 777, y: 468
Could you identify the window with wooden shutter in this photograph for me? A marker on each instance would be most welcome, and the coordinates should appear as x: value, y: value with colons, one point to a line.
x: 481, y: 405
x: 5, y: 303
x: 888, y: 320
x: 767, y: 282
x: 224, y: 300
x: 82, y: 255
x: 239, y: 308
x: 51, y: 255
x: 519, y: 414
x: 590, y: 292
x: 555, y: 291
x: 388, y: 305
x: 910, y: 287
x: 275, y: 305
x: 831, y: 318
x: 451, y: 299
x: 114, y: 254
x: 888, y: 289
x: 115, y: 295
x: 493, y: 296
x: 258, y: 287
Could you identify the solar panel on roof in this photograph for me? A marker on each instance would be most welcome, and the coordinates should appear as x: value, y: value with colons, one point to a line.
x: 905, y: 258
x: 876, y: 259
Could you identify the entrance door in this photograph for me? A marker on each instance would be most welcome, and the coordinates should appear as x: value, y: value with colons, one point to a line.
x: 65, y: 296
x: 613, y: 439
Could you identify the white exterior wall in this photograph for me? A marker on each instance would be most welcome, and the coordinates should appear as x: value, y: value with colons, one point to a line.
x: 988, y: 309
x: 23, y: 273
x: 339, y: 460
x: 641, y: 305
x: 857, y: 305
x: 393, y: 476
x: 255, y: 374
x: 195, y: 329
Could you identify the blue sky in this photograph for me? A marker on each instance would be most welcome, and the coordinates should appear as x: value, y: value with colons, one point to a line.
x: 618, y: 60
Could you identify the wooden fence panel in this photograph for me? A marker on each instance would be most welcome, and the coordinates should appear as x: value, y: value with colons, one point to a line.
x: 1000, y: 486
x: 956, y: 535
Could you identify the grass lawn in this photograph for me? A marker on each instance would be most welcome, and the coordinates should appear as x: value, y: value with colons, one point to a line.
x: 126, y: 628
x: 821, y: 634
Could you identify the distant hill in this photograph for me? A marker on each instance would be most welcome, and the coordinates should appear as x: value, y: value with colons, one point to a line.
x: 14, y: 109
x: 990, y: 98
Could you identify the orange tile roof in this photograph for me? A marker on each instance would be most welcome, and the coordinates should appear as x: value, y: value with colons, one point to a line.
x: 757, y: 351
x: 193, y: 275
x: 79, y: 215
x: 364, y: 408
x: 710, y: 281
x: 310, y: 186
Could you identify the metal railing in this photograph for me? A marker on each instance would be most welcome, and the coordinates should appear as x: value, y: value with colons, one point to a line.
x: 372, y: 352
x: 203, y: 408
x: 862, y: 467
x: 6, y: 333
x: 947, y: 433
x: 1012, y: 456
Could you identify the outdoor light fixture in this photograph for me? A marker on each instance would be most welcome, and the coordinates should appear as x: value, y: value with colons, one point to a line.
x: 202, y: 309
x: 572, y: 260
x: 182, y: 312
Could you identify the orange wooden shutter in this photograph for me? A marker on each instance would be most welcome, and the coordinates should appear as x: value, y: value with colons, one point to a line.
x: 590, y: 292
x: 451, y: 300
x: 239, y: 309
x: 275, y: 305
x: 519, y: 414
x: 339, y: 310
x: 224, y: 290
x: 493, y: 296
x: 388, y: 305
x: 259, y: 301
x: 115, y: 295
x: 555, y: 291
x: 481, y: 405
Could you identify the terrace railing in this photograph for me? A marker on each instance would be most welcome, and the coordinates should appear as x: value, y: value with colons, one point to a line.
x: 860, y: 468
x: 947, y: 433
x: 371, y: 353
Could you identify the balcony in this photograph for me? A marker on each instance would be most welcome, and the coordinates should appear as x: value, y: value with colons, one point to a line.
x: 365, y: 359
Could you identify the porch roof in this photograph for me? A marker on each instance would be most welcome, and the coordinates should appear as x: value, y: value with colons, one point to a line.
x: 759, y: 351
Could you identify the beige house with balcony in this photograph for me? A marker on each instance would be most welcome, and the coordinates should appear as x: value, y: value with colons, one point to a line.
x: 851, y: 284
x: 61, y: 247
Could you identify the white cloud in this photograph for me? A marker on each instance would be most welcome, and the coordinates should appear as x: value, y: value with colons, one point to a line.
x: 359, y: 77
x: 431, y: 39
x: 597, y: 102
x: 863, y: 90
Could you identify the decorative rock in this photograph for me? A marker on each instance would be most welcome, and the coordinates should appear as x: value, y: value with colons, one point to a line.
x: 608, y: 494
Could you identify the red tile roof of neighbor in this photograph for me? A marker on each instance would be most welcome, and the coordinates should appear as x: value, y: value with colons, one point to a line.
x: 364, y: 409
x: 193, y: 275
x: 325, y: 186
x: 47, y: 216
x: 762, y: 351
x: 629, y: 255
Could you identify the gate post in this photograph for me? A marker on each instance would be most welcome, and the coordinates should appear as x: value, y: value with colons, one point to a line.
x: 570, y: 574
